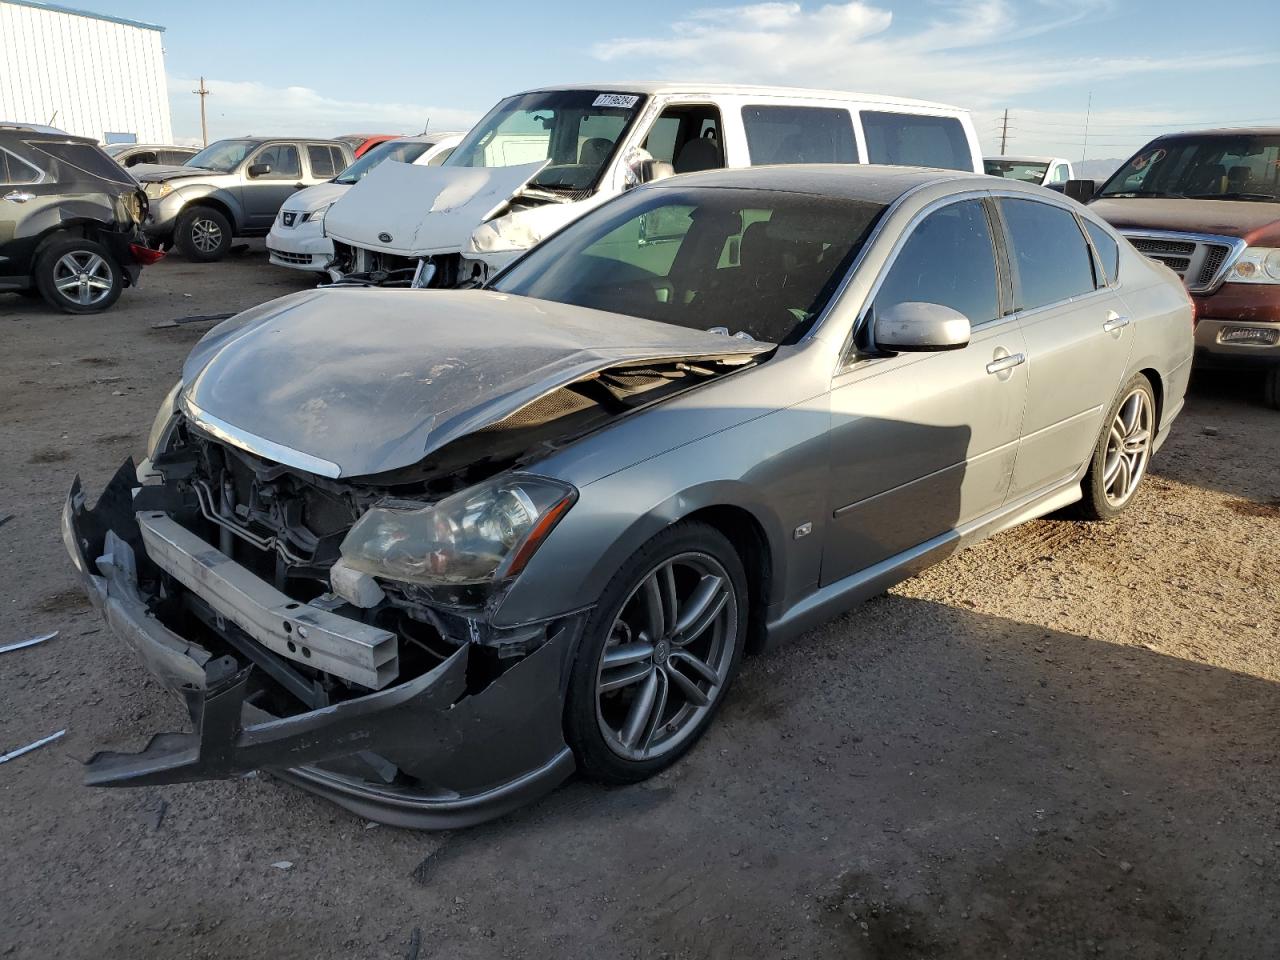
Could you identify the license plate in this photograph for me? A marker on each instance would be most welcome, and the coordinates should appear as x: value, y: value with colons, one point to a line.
x: 1255, y: 335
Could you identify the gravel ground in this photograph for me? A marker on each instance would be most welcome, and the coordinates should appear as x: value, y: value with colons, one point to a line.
x: 1060, y: 743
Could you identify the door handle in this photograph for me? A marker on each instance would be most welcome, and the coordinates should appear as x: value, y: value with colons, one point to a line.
x: 19, y: 196
x: 1114, y: 322
x: 1006, y: 363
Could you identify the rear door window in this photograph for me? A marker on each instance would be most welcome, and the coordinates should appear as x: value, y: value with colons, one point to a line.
x: 321, y: 161
x: 948, y: 259
x: 914, y: 140
x: 84, y: 157
x: 15, y: 170
x: 777, y: 134
x: 1049, y: 256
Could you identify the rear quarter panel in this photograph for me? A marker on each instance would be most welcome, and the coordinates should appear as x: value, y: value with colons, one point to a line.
x: 1164, y: 334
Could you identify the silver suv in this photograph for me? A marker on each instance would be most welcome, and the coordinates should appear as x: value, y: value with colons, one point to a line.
x: 233, y: 188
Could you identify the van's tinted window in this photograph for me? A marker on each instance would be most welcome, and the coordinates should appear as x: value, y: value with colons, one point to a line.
x: 918, y: 141
x: 1107, y: 249
x: 321, y: 161
x: 85, y: 157
x: 15, y: 170
x: 1051, y: 261
x: 799, y: 135
x: 948, y: 259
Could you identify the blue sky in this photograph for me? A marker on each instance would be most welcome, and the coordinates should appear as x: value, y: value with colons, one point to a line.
x: 323, y: 68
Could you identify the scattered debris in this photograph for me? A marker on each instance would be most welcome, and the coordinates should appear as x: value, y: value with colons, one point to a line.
x: 31, y: 746
x: 203, y: 318
x: 283, y: 864
x: 1209, y: 431
x: 1126, y: 866
x: 6, y: 518
x: 29, y: 643
x: 415, y: 944
x: 157, y: 816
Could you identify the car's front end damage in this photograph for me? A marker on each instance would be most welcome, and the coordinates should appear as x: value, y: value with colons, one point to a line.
x: 317, y: 581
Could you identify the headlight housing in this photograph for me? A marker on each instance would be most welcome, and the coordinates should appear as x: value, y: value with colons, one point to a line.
x: 1256, y: 265
x: 162, y: 426
x: 157, y: 191
x: 473, y: 540
x: 316, y: 216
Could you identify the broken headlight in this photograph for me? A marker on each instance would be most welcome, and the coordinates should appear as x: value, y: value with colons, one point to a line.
x: 483, y: 535
x: 162, y: 426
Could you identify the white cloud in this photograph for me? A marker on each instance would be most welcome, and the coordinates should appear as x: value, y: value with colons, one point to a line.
x: 972, y: 54
x: 239, y: 107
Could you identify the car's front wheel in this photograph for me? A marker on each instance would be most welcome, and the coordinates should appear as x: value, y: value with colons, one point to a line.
x: 659, y: 653
x: 78, y: 276
x: 202, y: 234
x: 1122, y: 453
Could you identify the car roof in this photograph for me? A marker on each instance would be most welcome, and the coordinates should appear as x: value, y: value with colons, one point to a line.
x: 431, y: 136
x: 668, y: 87
x: 878, y: 183
x: 1225, y: 132
x: 1026, y: 158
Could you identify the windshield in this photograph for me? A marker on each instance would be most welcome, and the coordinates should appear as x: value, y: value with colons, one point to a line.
x: 576, y: 130
x: 1243, y: 167
x: 405, y: 151
x: 222, y: 156
x: 1030, y: 171
x: 754, y: 262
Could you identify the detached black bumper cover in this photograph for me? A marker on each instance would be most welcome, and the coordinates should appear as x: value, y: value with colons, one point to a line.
x: 424, y: 753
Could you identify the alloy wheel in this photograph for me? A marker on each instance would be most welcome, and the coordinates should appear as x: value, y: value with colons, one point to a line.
x: 206, y: 235
x: 668, y: 656
x: 1128, y: 448
x: 83, y: 277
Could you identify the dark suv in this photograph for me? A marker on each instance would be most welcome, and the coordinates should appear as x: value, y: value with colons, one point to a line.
x: 70, y: 220
x: 234, y: 188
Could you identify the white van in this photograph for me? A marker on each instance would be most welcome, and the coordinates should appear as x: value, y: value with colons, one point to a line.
x: 542, y: 158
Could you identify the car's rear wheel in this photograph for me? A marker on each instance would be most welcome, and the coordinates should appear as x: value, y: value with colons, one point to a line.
x: 78, y: 276
x: 659, y: 653
x: 202, y: 234
x: 1271, y: 387
x: 1122, y: 453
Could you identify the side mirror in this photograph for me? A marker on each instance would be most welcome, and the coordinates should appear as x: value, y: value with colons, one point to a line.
x: 1081, y: 191
x: 916, y: 327
x: 647, y: 171
x: 258, y: 169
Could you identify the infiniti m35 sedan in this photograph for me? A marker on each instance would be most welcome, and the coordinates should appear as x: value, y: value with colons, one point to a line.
x: 428, y: 552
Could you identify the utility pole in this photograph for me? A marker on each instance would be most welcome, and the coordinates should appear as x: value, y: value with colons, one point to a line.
x: 1004, y: 131
x: 204, y: 126
x: 1084, y: 147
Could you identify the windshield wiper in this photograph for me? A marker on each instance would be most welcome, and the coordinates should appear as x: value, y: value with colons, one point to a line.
x: 1235, y: 196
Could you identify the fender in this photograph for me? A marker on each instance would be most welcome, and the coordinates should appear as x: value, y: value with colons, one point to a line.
x: 226, y: 200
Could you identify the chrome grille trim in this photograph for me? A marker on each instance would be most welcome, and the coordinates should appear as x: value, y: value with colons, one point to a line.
x: 1202, y: 260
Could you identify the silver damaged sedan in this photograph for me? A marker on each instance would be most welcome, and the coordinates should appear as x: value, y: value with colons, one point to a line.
x: 428, y: 553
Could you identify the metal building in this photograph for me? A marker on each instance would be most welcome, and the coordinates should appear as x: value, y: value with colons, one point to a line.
x: 88, y: 74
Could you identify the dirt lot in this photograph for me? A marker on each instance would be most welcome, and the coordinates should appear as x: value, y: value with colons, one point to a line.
x: 1062, y: 743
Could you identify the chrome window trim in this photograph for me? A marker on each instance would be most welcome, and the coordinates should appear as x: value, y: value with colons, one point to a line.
x: 1236, y: 247
x: 40, y: 174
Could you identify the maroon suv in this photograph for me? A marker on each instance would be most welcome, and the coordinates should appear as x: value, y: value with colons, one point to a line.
x: 1207, y: 204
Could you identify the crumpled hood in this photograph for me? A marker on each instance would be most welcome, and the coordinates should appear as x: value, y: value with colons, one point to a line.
x: 356, y: 382
x: 314, y: 198
x: 1254, y: 221
x: 159, y: 173
x: 422, y: 209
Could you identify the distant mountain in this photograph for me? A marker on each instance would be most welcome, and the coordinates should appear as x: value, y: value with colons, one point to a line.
x: 1097, y: 169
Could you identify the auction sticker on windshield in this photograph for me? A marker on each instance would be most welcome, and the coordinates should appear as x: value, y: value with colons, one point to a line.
x: 624, y: 100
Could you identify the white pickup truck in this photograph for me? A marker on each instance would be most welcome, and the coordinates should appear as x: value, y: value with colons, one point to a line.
x: 543, y: 158
x: 1051, y: 172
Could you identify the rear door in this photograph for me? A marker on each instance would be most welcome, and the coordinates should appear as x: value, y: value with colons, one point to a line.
x: 1078, y: 337
x: 26, y: 189
x: 924, y: 442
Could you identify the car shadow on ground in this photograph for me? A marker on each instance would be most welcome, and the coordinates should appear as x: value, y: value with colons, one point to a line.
x: 976, y: 787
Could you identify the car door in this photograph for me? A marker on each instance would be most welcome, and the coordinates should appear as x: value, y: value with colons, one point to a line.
x: 924, y: 442
x: 27, y: 191
x: 263, y: 195
x: 1078, y: 339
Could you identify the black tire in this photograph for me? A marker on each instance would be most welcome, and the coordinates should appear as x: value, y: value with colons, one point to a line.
x: 688, y: 543
x: 1096, y: 504
x: 203, y: 234
x: 1271, y: 387
x: 57, y: 265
